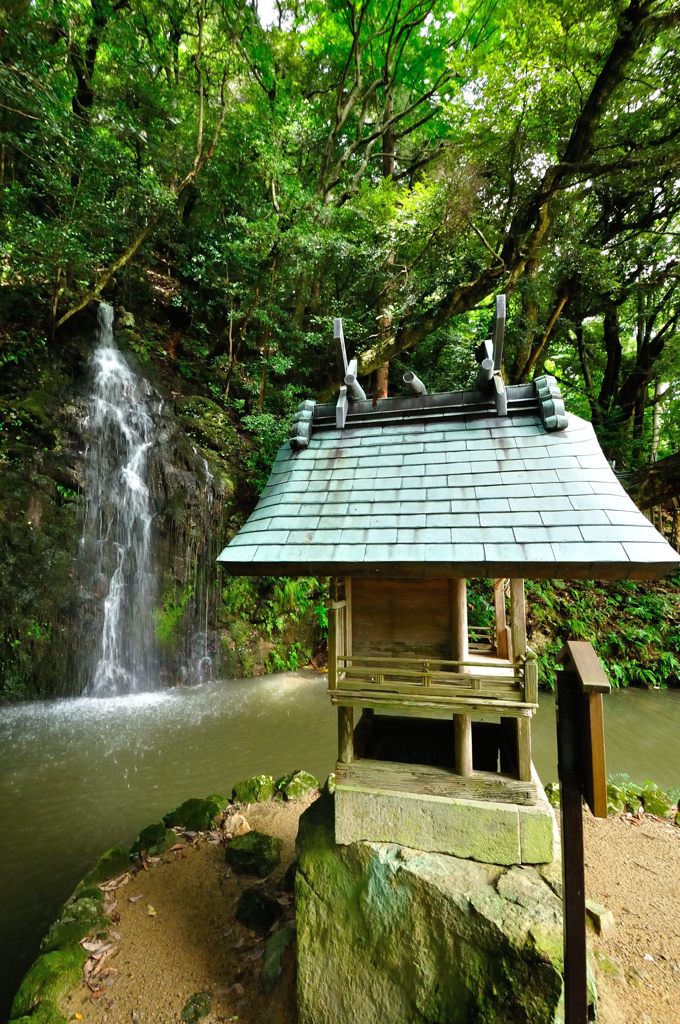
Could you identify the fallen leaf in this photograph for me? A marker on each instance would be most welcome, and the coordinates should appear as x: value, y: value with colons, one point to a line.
x: 176, y: 847
x: 114, y: 883
x: 151, y: 911
x: 134, y: 899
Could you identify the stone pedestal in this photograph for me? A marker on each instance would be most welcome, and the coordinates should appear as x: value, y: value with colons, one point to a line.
x: 484, y: 830
x: 395, y: 935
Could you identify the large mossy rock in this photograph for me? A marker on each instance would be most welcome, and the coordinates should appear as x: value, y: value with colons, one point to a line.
x: 255, y: 790
x: 254, y: 854
x: 51, y: 977
x: 394, y: 935
x: 196, y: 815
x: 153, y: 839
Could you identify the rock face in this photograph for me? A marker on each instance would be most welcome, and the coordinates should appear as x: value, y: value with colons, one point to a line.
x: 394, y: 935
x: 51, y: 603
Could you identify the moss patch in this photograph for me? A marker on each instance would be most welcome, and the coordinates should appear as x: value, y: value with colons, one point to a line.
x: 154, y: 839
x: 78, y: 919
x: 111, y: 863
x: 195, y: 814
x: 50, y: 978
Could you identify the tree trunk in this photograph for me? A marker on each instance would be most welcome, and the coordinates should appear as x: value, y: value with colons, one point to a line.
x: 656, y: 484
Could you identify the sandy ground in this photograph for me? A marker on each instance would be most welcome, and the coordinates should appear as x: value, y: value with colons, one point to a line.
x: 633, y: 868
x: 193, y: 944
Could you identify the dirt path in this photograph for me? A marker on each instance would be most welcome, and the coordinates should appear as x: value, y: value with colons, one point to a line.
x: 191, y: 943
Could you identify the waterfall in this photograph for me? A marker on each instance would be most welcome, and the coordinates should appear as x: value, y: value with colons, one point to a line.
x: 117, y: 534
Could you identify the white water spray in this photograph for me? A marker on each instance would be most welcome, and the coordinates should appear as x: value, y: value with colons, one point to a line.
x: 117, y: 531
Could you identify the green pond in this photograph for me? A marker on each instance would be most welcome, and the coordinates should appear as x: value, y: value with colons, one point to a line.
x: 77, y: 776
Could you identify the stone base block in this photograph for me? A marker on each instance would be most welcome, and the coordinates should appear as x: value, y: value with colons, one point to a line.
x: 397, y: 936
x: 495, y: 833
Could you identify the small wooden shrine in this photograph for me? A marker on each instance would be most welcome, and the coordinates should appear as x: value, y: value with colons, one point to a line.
x: 400, y: 504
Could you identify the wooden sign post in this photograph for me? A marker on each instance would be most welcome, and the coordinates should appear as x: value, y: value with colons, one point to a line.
x: 581, y: 771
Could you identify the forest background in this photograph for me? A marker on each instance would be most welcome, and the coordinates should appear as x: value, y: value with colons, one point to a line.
x: 232, y: 177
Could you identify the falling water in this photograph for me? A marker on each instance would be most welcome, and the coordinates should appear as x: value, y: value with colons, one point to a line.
x: 117, y: 531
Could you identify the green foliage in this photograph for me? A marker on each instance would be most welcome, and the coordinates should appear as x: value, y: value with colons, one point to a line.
x: 268, y: 432
x: 632, y: 626
x: 289, y: 613
x: 169, y: 616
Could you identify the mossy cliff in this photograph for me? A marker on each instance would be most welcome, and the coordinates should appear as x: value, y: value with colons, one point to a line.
x: 50, y: 607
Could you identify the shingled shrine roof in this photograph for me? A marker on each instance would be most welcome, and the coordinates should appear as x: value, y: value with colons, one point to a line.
x: 498, y: 481
x: 457, y: 484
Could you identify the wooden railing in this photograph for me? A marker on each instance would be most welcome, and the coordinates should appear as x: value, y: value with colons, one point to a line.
x: 413, y: 677
x: 482, y: 638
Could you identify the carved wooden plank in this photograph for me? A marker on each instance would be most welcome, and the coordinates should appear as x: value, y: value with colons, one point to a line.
x: 596, y: 781
x: 432, y: 702
x: 394, y: 776
x: 586, y: 664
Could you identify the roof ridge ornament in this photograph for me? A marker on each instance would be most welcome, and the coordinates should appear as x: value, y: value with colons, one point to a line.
x: 550, y: 403
x: 301, y: 428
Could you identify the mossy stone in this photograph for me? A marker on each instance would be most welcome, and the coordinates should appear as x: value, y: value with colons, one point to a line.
x: 199, y: 1005
x: 255, y: 790
x: 50, y: 978
x: 88, y: 892
x: 255, y: 853
x: 154, y: 839
x: 78, y: 919
x: 329, y: 785
x: 46, y: 1013
x: 111, y: 863
x: 272, y: 963
x: 195, y: 814
x: 257, y: 910
x: 655, y: 801
x: 297, y: 785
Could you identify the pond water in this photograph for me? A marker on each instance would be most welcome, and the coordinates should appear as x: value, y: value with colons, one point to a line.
x: 78, y: 776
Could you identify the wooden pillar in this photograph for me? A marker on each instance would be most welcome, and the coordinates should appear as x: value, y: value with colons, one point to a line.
x: 502, y: 645
x: 345, y: 735
x: 462, y: 731
x: 518, y: 629
x: 333, y: 637
x: 524, y: 749
x: 458, y: 619
x: 518, y: 619
x: 462, y: 725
